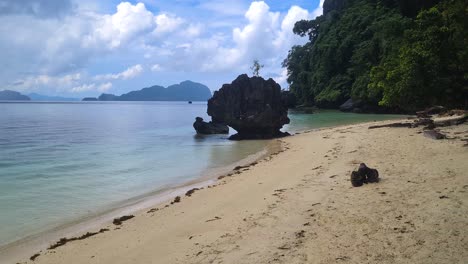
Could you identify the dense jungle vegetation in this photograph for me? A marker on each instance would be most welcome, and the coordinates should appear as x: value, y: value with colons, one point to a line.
x: 399, y: 55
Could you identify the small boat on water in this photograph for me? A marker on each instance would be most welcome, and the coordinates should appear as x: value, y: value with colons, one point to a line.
x: 189, y: 102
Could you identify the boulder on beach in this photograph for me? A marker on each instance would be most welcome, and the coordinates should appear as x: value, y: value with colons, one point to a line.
x: 253, y: 106
x: 363, y: 175
x: 207, y: 128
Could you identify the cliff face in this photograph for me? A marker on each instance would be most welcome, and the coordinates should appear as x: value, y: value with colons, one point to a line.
x: 8, y: 95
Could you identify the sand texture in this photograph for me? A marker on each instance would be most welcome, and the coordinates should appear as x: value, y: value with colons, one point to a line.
x: 298, y: 206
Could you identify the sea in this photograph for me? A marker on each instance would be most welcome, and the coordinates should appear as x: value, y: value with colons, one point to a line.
x: 62, y: 162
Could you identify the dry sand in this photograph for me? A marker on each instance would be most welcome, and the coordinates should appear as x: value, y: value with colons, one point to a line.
x: 299, y: 207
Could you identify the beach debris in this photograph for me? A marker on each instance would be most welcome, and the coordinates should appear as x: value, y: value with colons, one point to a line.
x: 343, y: 258
x: 191, y: 191
x: 428, y: 123
x: 65, y: 240
x: 300, y: 234
x: 452, y: 122
x: 431, y: 111
x: 176, y: 200
x: 240, y: 167
x: 153, y: 210
x: 400, y: 124
x: 214, y: 219
x: 443, y: 197
x: 434, y: 134
x: 363, y: 175
x: 423, y: 122
x: 118, y: 221
x: 33, y: 257
x: 284, y: 247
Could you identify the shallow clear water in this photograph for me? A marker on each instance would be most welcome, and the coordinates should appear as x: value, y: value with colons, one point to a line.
x: 63, y: 161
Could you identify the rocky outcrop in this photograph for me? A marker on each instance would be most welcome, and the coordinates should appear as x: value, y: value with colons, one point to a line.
x: 348, y: 106
x: 207, y: 128
x: 254, y: 107
x: 90, y: 99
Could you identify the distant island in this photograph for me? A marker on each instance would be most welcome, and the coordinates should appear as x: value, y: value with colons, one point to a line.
x: 185, y: 91
x: 8, y: 95
x: 46, y: 98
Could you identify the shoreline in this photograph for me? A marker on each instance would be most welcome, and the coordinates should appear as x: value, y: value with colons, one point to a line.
x: 225, y: 181
x: 20, y: 248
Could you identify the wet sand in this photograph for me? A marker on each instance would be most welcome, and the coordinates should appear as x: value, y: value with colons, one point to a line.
x: 298, y: 206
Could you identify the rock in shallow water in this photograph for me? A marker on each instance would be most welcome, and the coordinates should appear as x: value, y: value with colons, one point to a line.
x: 254, y: 107
x: 207, y: 128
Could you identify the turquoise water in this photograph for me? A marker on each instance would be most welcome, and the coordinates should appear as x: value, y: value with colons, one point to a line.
x: 60, y: 162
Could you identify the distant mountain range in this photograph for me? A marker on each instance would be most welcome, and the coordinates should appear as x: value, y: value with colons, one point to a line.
x: 7, y: 95
x: 40, y: 97
x: 185, y: 91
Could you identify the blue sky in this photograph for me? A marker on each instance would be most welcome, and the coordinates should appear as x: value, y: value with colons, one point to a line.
x: 87, y: 47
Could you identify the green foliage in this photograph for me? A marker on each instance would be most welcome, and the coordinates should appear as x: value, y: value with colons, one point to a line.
x: 375, y: 52
x: 256, y: 67
x: 431, y: 65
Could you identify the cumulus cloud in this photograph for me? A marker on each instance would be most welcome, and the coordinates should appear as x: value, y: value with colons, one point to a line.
x: 36, y: 52
x: 266, y: 36
x: 128, y: 22
x: 166, y: 23
x: 129, y: 73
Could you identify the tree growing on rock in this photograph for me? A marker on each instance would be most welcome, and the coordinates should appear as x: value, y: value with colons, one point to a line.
x: 256, y: 67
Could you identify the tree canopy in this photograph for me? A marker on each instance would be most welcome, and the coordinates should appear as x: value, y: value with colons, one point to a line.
x: 398, y: 54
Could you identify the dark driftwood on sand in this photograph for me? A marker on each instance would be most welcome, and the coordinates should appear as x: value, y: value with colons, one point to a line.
x: 452, y: 122
x: 434, y: 134
x: 408, y: 125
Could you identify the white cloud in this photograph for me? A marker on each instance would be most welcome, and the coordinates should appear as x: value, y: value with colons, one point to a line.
x: 193, y: 30
x: 56, y: 52
x: 129, y: 73
x: 46, y: 80
x: 166, y: 23
x: 92, y: 87
x: 319, y: 10
x: 266, y: 36
x: 114, y: 30
x: 156, y: 68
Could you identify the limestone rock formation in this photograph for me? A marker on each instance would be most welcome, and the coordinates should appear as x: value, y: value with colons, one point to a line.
x: 207, y: 128
x: 254, y: 107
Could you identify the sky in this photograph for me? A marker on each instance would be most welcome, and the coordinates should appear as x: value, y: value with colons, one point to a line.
x: 81, y: 48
